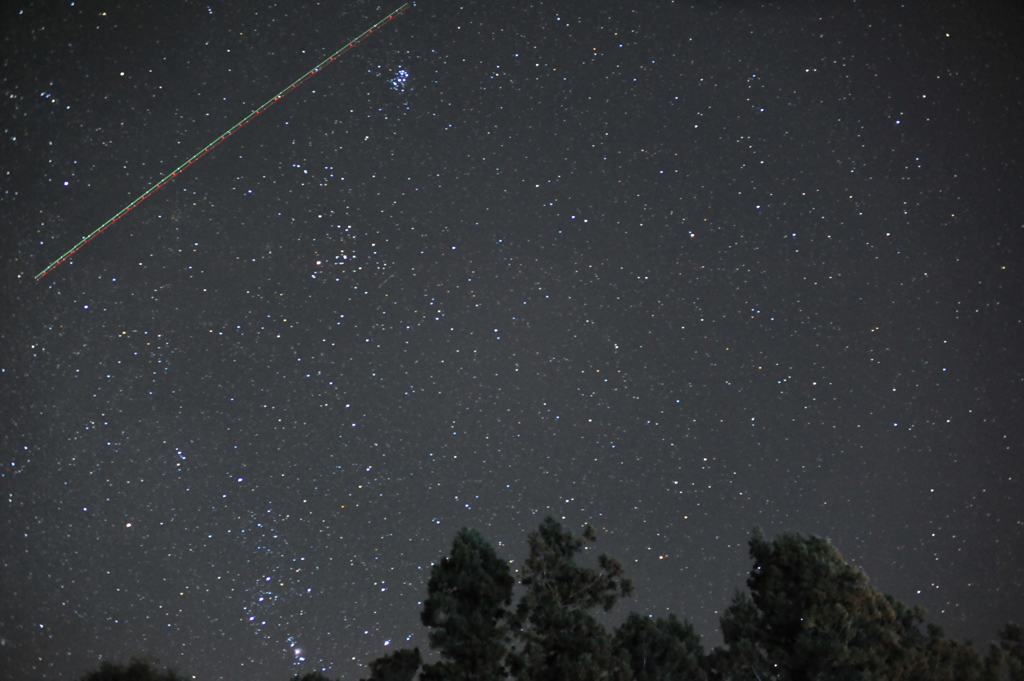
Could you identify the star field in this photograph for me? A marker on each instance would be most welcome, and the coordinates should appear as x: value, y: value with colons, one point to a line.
x: 672, y: 269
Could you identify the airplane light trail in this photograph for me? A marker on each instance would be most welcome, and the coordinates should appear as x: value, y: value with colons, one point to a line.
x: 209, y: 147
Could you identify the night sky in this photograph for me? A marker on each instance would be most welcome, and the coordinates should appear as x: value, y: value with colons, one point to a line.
x: 673, y: 269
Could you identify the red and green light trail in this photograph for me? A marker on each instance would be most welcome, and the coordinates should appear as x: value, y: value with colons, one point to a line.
x: 209, y: 147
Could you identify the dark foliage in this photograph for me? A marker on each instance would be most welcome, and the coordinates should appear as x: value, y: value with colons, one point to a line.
x: 661, y: 649
x: 560, y: 640
x: 311, y: 676
x: 812, y: 616
x: 808, y: 616
x: 467, y: 598
x: 400, y: 665
x: 1010, y: 651
x: 138, y: 669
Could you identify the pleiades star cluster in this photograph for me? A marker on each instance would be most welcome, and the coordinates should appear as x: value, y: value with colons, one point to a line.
x: 675, y: 269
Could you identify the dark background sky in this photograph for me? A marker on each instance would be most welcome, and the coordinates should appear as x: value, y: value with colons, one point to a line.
x: 674, y: 269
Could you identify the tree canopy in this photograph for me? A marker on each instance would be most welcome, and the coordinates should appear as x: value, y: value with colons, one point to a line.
x: 467, y: 597
x: 138, y: 669
x: 810, y: 615
x: 807, y: 615
x: 400, y: 665
x: 560, y: 640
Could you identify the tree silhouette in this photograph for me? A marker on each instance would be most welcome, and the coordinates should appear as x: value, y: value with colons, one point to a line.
x: 400, y: 665
x: 467, y: 597
x: 808, y: 616
x: 811, y: 616
x: 138, y: 669
x: 1010, y: 651
x: 311, y: 676
x: 560, y: 639
x: 661, y: 649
